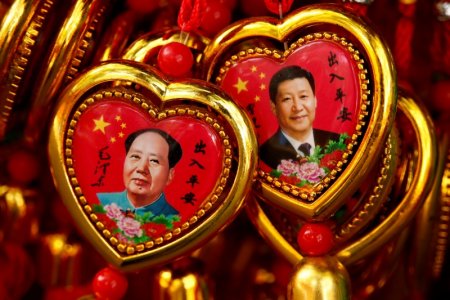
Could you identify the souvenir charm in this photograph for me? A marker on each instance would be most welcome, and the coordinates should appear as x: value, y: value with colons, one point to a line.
x: 354, y: 95
x: 149, y: 169
x: 320, y: 88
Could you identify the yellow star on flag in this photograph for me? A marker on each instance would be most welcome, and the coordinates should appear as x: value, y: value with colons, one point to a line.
x: 113, y: 140
x: 262, y: 87
x: 100, y: 124
x: 262, y: 75
x: 121, y: 134
x: 254, y: 68
x: 241, y: 85
x: 257, y: 98
x: 118, y: 118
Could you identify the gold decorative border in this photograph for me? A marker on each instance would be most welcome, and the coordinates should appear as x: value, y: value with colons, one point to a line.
x: 443, y: 221
x: 365, y: 105
x: 84, y: 44
x: 391, y: 225
x: 22, y: 53
x: 139, y: 101
x: 379, y: 195
x: 63, y: 61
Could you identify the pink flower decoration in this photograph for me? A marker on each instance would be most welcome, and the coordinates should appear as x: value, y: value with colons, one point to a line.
x: 288, y: 167
x: 130, y: 227
x: 113, y: 211
x: 310, y: 171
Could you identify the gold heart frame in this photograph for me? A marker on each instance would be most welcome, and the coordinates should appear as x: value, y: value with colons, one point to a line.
x: 159, y: 99
x: 380, y: 107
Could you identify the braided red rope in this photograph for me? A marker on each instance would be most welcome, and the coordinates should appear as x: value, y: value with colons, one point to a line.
x: 189, y: 17
x: 274, y: 5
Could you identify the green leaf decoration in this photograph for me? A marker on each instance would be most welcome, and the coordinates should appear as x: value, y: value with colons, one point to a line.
x: 145, y: 217
x: 275, y: 173
x: 317, y: 155
x: 162, y: 219
x: 302, y: 183
x: 98, y: 208
x: 337, y: 145
x: 141, y: 239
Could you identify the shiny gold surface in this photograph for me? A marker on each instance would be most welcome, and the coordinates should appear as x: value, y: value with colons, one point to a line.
x: 20, y: 29
x: 172, y: 285
x: 380, y: 190
x: 319, y: 278
x: 142, y: 48
x: 381, y: 75
x: 63, y: 62
x: 396, y: 220
x: 198, y: 93
x: 430, y: 238
x: 414, y: 197
x: 295, y: 199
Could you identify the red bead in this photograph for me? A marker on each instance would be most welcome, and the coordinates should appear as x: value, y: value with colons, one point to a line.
x: 175, y: 59
x: 143, y: 6
x: 315, y: 239
x: 23, y: 166
x: 109, y: 284
x: 216, y: 17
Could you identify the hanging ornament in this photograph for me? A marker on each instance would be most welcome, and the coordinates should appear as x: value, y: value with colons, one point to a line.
x: 332, y: 185
x: 175, y: 59
x: 200, y: 143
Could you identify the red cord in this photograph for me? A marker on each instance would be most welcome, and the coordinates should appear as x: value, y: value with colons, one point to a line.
x: 189, y: 16
x: 274, y: 5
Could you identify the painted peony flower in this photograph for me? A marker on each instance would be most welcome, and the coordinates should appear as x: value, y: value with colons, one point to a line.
x: 288, y: 167
x: 113, y: 211
x: 130, y: 227
x: 311, y: 172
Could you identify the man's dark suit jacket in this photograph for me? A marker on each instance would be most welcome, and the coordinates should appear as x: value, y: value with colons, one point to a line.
x: 277, y: 147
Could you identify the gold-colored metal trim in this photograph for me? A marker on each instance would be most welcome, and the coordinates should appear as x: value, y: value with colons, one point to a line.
x: 298, y: 193
x: 393, y: 223
x: 20, y: 30
x: 199, y: 93
x: 140, y: 102
x: 370, y: 203
x: 63, y: 62
x: 141, y: 47
x: 380, y: 192
x: 444, y: 214
x: 381, y: 76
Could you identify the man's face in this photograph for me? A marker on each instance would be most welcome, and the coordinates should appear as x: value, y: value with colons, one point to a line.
x: 295, y: 107
x: 146, y: 169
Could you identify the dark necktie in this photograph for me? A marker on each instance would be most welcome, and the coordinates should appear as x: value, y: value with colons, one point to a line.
x: 305, y: 148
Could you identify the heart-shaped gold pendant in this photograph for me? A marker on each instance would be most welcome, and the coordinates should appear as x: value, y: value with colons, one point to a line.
x: 319, y: 77
x: 149, y: 169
